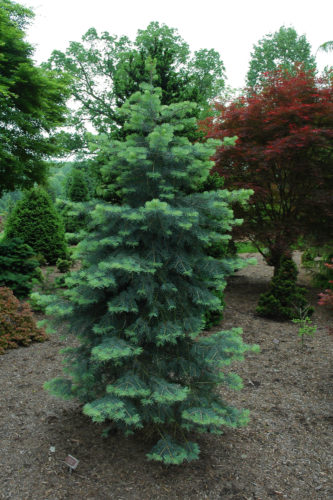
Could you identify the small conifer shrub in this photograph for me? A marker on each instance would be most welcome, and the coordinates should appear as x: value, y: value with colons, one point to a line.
x: 77, y: 186
x: 17, y: 324
x: 64, y: 265
x: 284, y: 300
x: 19, y: 267
x: 36, y: 221
x: 138, y: 302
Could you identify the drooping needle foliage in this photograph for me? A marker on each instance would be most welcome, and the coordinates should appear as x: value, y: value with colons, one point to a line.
x: 137, y: 304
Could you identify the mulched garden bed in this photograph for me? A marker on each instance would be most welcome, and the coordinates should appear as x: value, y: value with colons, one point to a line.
x: 284, y: 452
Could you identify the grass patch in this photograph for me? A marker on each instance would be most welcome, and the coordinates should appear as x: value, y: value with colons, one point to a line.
x: 245, y: 247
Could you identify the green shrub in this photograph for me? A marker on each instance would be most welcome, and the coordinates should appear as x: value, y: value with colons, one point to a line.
x: 41, y: 259
x: 314, y: 259
x: 77, y: 186
x: 35, y: 305
x: 17, y: 324
x: 64, y: 265
x: 284, y: 300
x: 36, y: 221
x: 18, y: 266
x: 245, y: 247
x: 308, y: 257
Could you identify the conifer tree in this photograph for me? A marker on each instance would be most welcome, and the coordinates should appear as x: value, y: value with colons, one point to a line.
x: 285, y: 299
x: 35, y: 220
x: 138, y: 302
x: 77, y: 186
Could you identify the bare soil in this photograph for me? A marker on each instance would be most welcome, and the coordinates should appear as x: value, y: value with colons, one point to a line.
x: 284, y: 452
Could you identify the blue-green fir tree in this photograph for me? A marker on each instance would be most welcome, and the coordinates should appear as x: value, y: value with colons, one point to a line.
x: 138, y: 302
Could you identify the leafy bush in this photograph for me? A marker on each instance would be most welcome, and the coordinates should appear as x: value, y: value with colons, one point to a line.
x: 36, y: 221
x: 284, y: 300
x: 17, y: 324
x: 315, y: 260
x: 18, y: 266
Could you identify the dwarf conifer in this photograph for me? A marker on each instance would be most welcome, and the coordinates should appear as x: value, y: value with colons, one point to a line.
x: 35, y: 220
x: 285, y: 299
x: 77, y: 186
x: 138, y: 302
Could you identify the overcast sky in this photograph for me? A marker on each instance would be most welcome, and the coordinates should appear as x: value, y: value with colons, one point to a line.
x: 230, y: 27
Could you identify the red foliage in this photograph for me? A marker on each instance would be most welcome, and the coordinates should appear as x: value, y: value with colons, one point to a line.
x: 284, y: 153
x: 17, y: 324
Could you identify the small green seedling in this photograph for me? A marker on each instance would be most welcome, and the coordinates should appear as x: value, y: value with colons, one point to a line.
x: 306, y: 328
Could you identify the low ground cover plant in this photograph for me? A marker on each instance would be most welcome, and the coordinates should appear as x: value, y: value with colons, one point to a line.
x: 306, y: 328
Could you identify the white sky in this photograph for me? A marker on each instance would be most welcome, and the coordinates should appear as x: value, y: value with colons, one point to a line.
x: 229, y: 27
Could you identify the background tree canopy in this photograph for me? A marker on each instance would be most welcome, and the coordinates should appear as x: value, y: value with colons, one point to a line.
x: 107, y: 69
x: 282, y: 49
x: 32, y: 103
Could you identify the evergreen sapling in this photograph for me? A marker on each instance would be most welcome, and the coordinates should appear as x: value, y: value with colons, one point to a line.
x: 138, y: 302
x: 36, y: 221
x: 285, y: 299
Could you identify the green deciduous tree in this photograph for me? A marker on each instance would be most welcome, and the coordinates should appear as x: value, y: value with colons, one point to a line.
x: 282, y: 49
x: 32, y: 104
x: 139, y: 300
x: 106, y: 70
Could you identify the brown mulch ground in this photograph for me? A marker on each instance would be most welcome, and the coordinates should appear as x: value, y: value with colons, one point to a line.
x: 284, y: 452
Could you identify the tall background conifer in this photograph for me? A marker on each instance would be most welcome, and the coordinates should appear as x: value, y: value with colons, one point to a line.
x: 139, y: 300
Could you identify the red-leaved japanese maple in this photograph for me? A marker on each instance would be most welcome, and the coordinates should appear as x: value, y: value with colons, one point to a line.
x: 284, y: 153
